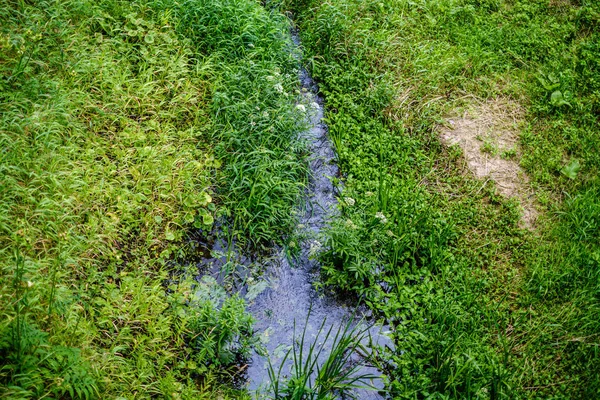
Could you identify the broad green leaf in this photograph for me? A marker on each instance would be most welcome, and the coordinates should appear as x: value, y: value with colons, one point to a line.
x: 570, y: 170
x: 557, y: 99
x: 208, y: 219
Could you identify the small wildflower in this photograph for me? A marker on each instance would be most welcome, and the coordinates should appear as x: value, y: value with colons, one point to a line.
x: 252, y: 123
x: 369, y: 194
x: 292, y: 244
x: 257, y: 108
x: 301, y: 107
x: 315, y: 247
x: 349, y: 224
x: 29, y: 284
x: 278, y: 88
x: 349, y: 201
x: 381, y: 217
x: 314, y: 105
x: 270, y: 78
x: 266, y: 114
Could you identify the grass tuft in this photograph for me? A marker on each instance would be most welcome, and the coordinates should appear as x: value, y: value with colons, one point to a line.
x: 323, y: 368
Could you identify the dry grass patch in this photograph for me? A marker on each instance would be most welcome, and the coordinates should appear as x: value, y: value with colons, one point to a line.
x: 488, y: 134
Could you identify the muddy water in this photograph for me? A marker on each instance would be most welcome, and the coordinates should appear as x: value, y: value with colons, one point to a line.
x: 285, y: 294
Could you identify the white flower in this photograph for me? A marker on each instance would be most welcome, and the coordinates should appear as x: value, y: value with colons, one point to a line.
x: 278, y: 88
x: 301, y: 107
x: 266, y: 114
x: 315, y: 247
x: 369, y: 194
x: 314, y: 105
x: 270, y: 78
x: 349, y: 200
x: 349, y: 224
x: 381, y: 217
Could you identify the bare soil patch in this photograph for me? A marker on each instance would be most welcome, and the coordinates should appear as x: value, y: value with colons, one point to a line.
x: 488, y: 133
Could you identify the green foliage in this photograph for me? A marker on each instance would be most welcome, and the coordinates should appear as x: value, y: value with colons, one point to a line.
x: 582, y: 216
x: 123, y: 125
x: 31, y: 363
x: 221, y: 330
x: 396, y: 229
x: 315, y: 375
x: 256, y: 124
x: 480, y: 307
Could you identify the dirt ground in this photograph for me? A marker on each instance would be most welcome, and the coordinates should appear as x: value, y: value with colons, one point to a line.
x: 488, y: 134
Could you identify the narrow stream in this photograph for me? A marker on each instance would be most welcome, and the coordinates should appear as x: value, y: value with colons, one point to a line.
x: 286, y: 293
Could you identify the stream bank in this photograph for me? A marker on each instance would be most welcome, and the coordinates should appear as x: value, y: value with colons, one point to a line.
x: 285, y: 295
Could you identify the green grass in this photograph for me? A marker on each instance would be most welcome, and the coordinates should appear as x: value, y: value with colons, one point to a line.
x: 318, y: 372
x: 255, y: 122
x: 126, y: 125
x: 481, y: 308
x: 123, y: 126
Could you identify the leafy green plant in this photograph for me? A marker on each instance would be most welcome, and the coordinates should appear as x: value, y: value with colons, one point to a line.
x: 221, y: 334
x: 312, y: 378
x: 570, y: 170
x: 32, y: 363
